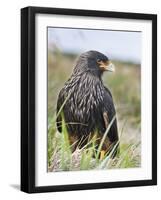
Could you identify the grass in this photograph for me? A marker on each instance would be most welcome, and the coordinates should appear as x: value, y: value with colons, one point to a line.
x: 125, y: 87
x: 61, y: 158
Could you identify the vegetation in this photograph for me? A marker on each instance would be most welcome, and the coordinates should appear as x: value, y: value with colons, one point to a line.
x: 125, y: 87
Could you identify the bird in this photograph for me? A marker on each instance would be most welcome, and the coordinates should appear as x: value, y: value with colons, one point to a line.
x: 86, y: 105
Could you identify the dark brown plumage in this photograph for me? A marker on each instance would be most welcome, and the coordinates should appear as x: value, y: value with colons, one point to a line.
x: 88, y: 105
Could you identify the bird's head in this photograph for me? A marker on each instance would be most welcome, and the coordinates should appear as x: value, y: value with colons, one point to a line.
x: 94, y: 62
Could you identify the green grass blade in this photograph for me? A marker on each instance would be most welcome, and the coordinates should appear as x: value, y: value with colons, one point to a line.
x: 104, y: 137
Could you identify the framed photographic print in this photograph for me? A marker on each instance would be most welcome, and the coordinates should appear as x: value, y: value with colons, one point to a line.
x: 88, y: 99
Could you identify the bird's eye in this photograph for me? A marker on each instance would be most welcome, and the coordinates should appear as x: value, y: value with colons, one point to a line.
x: 98, y: 60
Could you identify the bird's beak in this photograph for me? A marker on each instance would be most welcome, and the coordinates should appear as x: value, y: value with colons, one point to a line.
x: 107, y: 66
x: 110, y: 67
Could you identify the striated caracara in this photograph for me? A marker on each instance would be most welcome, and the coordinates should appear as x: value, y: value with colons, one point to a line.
x: 88, y: 106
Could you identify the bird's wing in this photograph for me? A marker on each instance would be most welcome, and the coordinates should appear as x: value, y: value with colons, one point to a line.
x: 59, y: 105
x: 108, y: 114
x: 108, y: 91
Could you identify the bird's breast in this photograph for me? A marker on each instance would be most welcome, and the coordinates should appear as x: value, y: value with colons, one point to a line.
x: 85, y: 100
